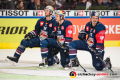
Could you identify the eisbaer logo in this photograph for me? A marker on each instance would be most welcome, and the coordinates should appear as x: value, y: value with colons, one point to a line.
x: 72, y: 74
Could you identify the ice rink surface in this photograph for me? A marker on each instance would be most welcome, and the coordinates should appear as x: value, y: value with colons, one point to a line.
x: 28, y: 69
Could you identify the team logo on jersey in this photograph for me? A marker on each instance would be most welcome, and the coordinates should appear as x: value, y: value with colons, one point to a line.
x: 70, y: 31
x: 50, y: 25
x: 41, y: 23
x: 55, y: 29
x: 62, y: 27
x: 61, y: 39
x: 87, y: 28
x: 90, y: 42
x: 43, y: 35
x: 94, y: 31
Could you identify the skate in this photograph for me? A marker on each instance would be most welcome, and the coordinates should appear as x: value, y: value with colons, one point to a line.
x: 44, y: 63
x: 108, y: 63
x: 73, y: 64
x: 12, y: 60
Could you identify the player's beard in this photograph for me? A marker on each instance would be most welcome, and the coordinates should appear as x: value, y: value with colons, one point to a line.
x: 94, y: 23
x: 47, y: 15
x: 58, y: 21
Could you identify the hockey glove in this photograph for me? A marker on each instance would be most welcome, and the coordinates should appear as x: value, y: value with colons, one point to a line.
x: 66, y: 48
x: 28, y: 36
x: 53, y: 35
x: 82, y: 35
x: 55, y: 51
x: 98, y: 53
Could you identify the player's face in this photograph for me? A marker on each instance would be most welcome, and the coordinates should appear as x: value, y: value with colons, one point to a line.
x: 57, y: 17
x: 94, y: 20
x: 47, y: 11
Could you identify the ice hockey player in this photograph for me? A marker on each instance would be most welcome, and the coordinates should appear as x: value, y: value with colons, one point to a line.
x: 94, y: 43
x: 43, y: 29
x: 61, y: 37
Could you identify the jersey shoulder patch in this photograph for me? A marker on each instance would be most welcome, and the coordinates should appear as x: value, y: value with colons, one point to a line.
x: 87, y: 27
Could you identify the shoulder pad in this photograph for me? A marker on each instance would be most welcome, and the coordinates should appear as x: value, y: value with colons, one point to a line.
x: 89, y: 23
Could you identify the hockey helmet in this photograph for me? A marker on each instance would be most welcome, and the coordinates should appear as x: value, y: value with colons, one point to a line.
x: 50, y: 8
x: 61, y: 13
x: 95, y: 14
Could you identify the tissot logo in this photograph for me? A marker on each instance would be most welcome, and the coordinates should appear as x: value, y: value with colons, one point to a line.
x: 81, y: 13
x: 14, y: 12
x: 37, y: 13
x: 118, y: 13
x: 40, y: 13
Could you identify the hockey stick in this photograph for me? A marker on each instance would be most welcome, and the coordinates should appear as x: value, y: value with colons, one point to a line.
x: 61, y: 46
x: 83, y: 68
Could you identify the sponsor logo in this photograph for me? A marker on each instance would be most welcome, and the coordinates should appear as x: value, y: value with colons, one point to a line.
x: 90, y: 42
x: 118, y: 13
x: 37, y: 13
x: 43, y: 34
x: 13, y: 30
x: 14, y: 12
x: 70, y: 31
x: 62, y: 27
x: 55, y: 29
x: 81, y: 13
x: 50, y: 25
x: 87, y: 28
x: 60, y: 39
x: 40, y: 13
x: 94, y: 31
x: 72, y: 74
x: 41, y: 23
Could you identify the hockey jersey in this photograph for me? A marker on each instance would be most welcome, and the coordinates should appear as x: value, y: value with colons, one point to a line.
x: 64, y: 32
x: 44, y: 28
x: 96, y: 35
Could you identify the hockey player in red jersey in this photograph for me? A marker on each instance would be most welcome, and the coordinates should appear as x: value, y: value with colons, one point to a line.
x: 94, y: 43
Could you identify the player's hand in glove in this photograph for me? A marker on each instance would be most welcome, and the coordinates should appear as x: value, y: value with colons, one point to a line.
x: 82, y: 35
x: 28, y: 36
x: 53, y: 35
x: 98, y: 53
x: 55, y: 51
x: 66, y: 48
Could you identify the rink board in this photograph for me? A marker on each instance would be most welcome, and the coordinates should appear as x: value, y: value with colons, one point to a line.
x: 13, y: 30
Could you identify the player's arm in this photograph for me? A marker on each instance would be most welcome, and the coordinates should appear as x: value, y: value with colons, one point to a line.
x: 34, y: 32
x: 69, y: 33
x: 54, y: 32
x: 100, y: 36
